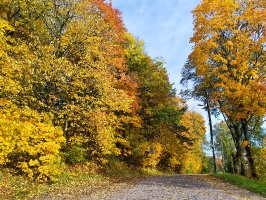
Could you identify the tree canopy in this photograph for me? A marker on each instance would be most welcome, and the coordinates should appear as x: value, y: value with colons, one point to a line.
x: 76, y: 87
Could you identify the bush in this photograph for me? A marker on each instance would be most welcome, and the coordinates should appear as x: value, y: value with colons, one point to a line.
x: 75, y: 150
x: 29, y: 142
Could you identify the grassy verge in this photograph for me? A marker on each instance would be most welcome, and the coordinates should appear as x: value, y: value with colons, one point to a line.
x: 19, y: 187
x: 253, y: 185
x: 76, y: 180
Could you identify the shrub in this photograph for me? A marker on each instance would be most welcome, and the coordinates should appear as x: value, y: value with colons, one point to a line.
x: 29, y: 142
x: 75, y: 150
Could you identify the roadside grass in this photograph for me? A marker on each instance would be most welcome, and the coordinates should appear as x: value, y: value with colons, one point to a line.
x: 75, y: 180
x: 14, y: 186
x: 119, y: 169
x: 253, y: 185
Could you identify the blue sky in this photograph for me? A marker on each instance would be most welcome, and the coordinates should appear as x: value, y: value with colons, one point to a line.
x: 166, y: 27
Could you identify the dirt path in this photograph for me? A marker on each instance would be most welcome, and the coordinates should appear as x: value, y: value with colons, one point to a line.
x: 175, y: 187
x: 194, y: 187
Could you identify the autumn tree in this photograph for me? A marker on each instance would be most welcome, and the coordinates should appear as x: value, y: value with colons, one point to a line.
x: 154, y: 87
x: 76, y: 87
x: 228, y: 58
x: 72, y: 65
x: 29, y: 141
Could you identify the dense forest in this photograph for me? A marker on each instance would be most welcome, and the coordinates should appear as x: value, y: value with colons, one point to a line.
x: 76, y: 87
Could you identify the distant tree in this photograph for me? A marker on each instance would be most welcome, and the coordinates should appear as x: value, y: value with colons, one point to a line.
x: 224, y: 145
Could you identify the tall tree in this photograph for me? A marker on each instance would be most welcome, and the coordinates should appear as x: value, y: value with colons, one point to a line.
x: 229, y: 58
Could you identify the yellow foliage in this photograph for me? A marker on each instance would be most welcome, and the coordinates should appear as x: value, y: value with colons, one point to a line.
x: 245, y: 143
x: 174, y: 161
x: 194, y: 124
x: 4, y: 26
x: 191, y: 164
x: 236, y: 61
x: 151, y: 154
x: 195, y: 131
x: 78, y: 140
x: 29, y: 141
x: 260, y: 159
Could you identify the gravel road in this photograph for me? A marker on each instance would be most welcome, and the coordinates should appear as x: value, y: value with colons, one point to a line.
x: 189, y: 187
x: 193, y: 187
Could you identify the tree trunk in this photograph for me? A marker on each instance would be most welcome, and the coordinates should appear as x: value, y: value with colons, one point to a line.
x: 240, y: 159
x: 239, y: 166
x: 211, y: 132
x: 248, y: 150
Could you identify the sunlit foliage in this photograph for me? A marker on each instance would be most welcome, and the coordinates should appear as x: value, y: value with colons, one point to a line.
x: 29, y: 142
x: 76, y: 87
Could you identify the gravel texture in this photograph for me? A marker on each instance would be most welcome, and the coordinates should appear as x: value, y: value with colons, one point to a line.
x: 194, y: 187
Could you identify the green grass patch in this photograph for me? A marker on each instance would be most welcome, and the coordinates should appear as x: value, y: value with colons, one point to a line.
x: 253, y: 185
